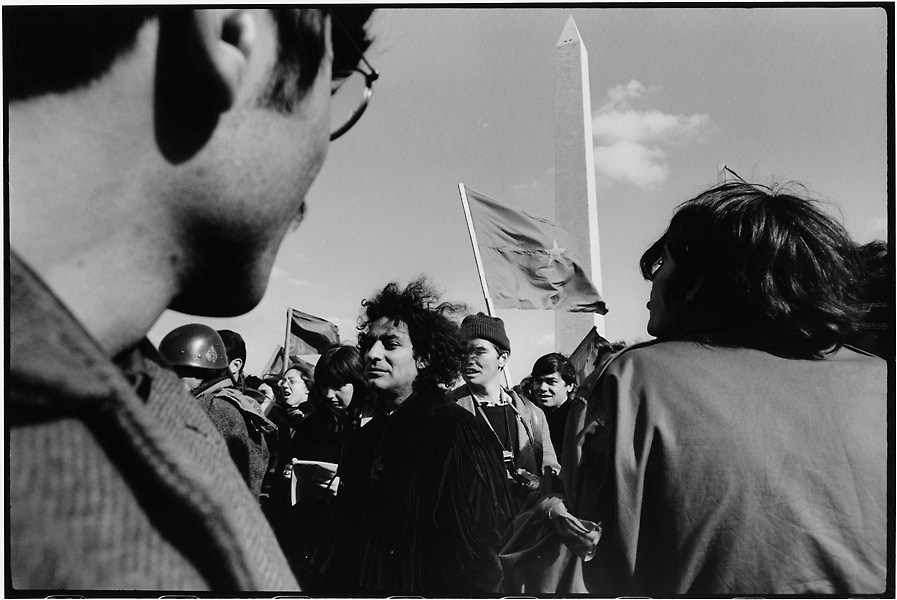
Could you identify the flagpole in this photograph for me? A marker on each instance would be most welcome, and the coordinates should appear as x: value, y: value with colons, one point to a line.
x: 490, y: 308
x: 286, y: 342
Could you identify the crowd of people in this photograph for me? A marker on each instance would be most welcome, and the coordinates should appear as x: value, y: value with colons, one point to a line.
x: 744, y: 450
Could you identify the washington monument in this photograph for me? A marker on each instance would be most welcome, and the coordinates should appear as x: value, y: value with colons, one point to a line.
x: 575, y: 201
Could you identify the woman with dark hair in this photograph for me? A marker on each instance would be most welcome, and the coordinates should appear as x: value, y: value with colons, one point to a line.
x: 744, y: 451
x: 318, y: 445
x: 339, y: 376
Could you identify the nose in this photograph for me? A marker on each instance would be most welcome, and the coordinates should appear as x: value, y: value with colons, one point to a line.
x: 330, y: 394
x: 374, y: 353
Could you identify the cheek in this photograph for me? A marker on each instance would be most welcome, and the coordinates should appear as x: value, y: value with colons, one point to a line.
x: 345, y: 393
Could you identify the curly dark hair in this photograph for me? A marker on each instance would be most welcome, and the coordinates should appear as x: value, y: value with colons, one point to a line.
x: 775, y: 272
x: 431, y: 327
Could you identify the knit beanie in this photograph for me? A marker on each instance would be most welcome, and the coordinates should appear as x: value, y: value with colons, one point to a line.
x: 485, y: 327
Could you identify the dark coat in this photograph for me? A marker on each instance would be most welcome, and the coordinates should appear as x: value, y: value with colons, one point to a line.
x: 418, y: 509
x: 733, y: 471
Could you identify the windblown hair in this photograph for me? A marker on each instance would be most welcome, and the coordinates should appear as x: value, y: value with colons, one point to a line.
x: 775, y: 272
x: 555, y: 362
x: 433, y: 332
x: 55, y: 49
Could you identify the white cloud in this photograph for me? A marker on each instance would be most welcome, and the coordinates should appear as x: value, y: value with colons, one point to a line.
x: 634, y: 163
x: 629, y: 143
x: 279, y: 274
x: 617, y: 97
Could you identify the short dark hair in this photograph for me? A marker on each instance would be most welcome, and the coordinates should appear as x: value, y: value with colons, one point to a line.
x: 434, y: 335
x: 339, y: 365
x: 54, y: 49
x: 233, y: 345
x: 776, y: 272
x: 555, y: 362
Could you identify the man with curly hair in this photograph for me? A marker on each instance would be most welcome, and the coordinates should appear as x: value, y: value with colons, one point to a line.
x: 421, y: 504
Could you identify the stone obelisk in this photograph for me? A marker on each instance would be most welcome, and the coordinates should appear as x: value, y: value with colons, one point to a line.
x: 574, y: 183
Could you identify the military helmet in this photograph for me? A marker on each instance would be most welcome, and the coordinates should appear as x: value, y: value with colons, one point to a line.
x: 194, y: 345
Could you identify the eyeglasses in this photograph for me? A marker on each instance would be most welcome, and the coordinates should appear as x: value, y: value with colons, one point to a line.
x: 655, y: 267
x: 350, y: 93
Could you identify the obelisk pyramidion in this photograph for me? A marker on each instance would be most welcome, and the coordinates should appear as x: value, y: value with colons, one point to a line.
x: 574, y: 180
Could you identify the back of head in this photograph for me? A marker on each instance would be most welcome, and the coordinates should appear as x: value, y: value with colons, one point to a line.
x: 555, y: 363
x: 433, y: 334
x: 54, y: 49
x: 771, y: 270
x: 233, y: 344
x: 195, y: 346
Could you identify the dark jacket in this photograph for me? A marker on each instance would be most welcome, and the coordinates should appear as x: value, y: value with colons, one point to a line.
x: 534, y: 450
x: 733, y: 471
x: 118, y: 480
x: 418, y: 508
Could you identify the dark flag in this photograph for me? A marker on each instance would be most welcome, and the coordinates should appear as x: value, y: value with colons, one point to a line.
x: 529, y: 262
x: 309, y: 334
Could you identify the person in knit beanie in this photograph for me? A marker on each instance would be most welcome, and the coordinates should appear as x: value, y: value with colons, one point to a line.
x: 516, y: 428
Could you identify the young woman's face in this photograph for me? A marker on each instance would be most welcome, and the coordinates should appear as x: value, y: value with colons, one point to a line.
x: 295, y: 392
x: 340, y: 397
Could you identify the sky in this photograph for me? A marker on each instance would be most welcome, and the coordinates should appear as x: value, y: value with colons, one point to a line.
x: 467, y: 95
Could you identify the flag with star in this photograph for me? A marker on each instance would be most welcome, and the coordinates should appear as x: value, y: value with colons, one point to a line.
x: 529, y: 262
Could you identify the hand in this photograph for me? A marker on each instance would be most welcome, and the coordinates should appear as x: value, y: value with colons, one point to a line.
x: 580, y: 535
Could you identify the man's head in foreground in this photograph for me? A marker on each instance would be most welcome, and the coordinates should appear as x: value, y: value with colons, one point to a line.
x: 194, y: 133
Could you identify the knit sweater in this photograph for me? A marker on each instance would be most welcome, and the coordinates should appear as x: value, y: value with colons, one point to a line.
x: 118, y: 480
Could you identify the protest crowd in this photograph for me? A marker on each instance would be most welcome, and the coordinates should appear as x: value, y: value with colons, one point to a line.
x: 743, y: 450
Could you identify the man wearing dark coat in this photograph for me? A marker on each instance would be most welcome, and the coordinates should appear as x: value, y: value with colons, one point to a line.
x: 421, y: 504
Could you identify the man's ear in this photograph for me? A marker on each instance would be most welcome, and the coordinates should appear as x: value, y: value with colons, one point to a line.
x: 421, y: 362
x: 202, y: 60
x: 236, y: 369
x: 503, y: 357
